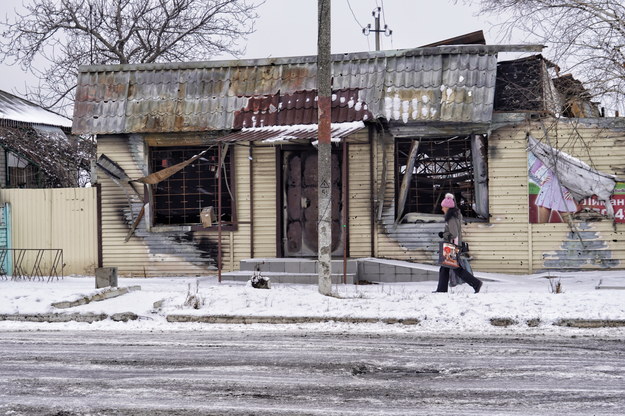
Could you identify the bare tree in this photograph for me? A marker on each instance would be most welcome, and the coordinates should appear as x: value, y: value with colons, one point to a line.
x: 585, y: 37
x: 52, y: 38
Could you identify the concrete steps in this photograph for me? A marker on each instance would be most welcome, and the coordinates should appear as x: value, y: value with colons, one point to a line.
x: 305, y: 271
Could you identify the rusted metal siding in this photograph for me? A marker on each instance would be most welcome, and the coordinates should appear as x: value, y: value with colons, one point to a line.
x: 63, y: 218
x: 425, y: 84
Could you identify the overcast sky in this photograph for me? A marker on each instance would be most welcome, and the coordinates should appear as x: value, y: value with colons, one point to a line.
x: 289, y: 28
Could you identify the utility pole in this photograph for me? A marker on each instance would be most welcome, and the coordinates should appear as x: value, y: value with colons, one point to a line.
x: 324, y: 164
x: 388, y: 32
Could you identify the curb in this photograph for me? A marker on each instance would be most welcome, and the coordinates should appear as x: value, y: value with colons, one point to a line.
x: 234, y: 319
x: 571, y: 323
x: 69, y: 317
x: 590, y: 323
x: 105, y: 294
x: 278, y: 320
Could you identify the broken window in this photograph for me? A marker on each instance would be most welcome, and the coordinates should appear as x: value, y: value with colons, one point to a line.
x: 181, y: 198
x: 21, y: 173
x: 428, y: 168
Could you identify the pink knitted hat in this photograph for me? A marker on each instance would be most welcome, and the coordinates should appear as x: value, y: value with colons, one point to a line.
x: 448, y: 202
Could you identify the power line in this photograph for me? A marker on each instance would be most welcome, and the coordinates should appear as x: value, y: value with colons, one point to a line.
x: 353, y: 14
x: 383, y: 12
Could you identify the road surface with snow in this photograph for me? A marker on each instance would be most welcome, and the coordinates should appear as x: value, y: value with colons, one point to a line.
x: 291, y: 371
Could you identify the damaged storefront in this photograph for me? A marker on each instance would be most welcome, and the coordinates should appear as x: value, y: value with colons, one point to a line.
x: 203, y: 165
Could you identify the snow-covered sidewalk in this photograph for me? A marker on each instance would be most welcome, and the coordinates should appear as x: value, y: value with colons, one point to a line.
x: 522, y: 303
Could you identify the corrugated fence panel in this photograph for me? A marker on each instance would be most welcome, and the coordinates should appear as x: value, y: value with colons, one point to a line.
x: 63, y: 218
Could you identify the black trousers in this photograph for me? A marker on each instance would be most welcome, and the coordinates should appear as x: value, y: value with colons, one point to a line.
x: 443, y: 278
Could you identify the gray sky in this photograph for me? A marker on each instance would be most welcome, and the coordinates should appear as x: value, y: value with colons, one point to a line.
x: 289, y: 28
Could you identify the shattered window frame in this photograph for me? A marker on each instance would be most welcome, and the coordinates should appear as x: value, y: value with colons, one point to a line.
x: 180, y: 199
x: 21, y: 172
x: 442, y: 165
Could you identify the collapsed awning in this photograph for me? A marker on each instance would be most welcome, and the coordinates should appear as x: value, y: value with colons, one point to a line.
x: 273, y: 134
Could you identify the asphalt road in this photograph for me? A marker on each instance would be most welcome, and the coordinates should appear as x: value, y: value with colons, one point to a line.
x: 249, y: 372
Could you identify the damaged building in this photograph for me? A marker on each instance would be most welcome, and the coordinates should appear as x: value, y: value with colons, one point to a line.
x: 205, y: 165
x: 37, y: 149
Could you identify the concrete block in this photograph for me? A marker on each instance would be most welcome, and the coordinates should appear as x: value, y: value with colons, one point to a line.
x: 276, y: 266
x: 387, y: 270
x: 261, y: 265
x: 403, y: 276
x: 337, y: 266
x: 105, y: 276
x: 312, y: 279
x: 292, y: 267
x: 308, y: 266
x: 247, y: 265
x: 420, y: 275
x: 124, y: 317
x: 372, y: 268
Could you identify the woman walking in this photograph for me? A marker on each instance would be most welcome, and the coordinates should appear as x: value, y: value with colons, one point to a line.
x: 453, y: 234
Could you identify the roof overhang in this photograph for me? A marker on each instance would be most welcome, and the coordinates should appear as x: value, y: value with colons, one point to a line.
x: 277, y: 134
x: 436, y: 129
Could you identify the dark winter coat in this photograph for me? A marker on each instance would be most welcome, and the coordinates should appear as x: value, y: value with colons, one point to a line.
x: 453, y: 226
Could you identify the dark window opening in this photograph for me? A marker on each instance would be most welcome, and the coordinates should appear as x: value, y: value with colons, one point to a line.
x: 21, y: 173
x: 180, y: 199
x: 441, y: 165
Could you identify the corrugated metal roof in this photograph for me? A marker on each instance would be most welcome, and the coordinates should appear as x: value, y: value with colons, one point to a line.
x: 15, y: 109
x: 445, y: 83
x: 293, y: 132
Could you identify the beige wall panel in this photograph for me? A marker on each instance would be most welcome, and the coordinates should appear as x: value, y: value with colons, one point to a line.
x: 265, y: 202
x: 502, y: 244
x: 56, y: 219
x: 242, y: 236
x: 129, y: 257
x: 359, y: 184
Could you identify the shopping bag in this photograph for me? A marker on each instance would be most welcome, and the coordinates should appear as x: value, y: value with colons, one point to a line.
x: 448, y: 255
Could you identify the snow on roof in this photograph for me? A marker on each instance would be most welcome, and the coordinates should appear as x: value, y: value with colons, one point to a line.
x: 17, y: 109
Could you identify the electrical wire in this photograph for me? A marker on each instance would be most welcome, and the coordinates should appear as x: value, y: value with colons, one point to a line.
x: 358, y: 22
x: 383, y: 12
x: 354, y: 14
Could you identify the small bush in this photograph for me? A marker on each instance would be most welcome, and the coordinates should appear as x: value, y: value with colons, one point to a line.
x: 194, y: 300
x: 555, y: 285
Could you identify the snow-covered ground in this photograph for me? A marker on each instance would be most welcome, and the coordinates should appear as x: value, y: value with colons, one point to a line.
x: 521, y: 298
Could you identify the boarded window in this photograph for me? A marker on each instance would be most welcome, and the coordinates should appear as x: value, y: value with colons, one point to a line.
x: 180, y: 199
x: 438, y: 166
